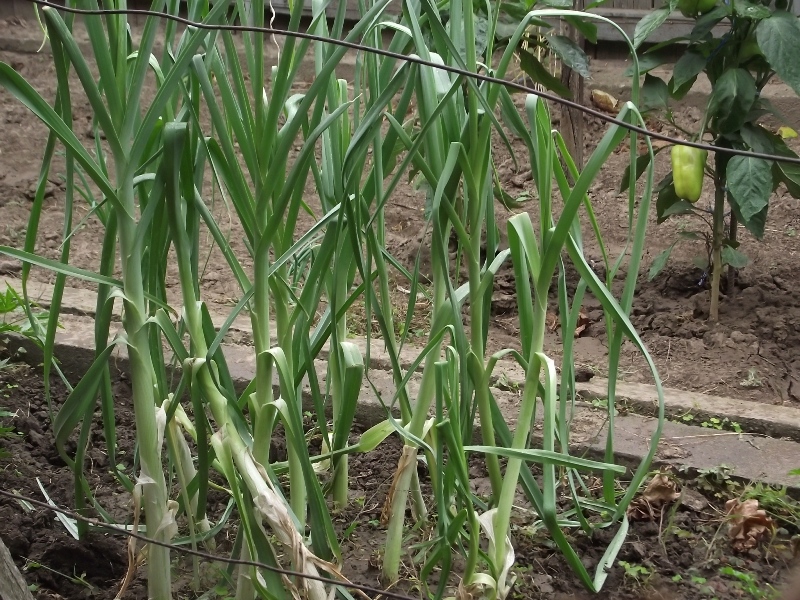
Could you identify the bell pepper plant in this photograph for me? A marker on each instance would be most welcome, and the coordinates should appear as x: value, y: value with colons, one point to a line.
x: 740, y: 46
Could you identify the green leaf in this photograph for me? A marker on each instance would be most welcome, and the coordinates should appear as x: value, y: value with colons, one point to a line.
x: 642, y: 162
x: 688, y: 67
x: 373, y: 437
x: 751, y: 10
x: 655, y: 94
x: 570, y: 53
x: 558, y: 3
x: 666, y: 197
x: 80, y: 401
x: 750, y: 184
x: 586, y: 29
x: 760, y: 140
x: 648, y: 62
x: 734, y: 258
x: 649, y: 24
x: 732, y: 99
x: 757, y: 223
x: 547, y: 457
x: 779, y: 39
x: 788, y: 173
x: 681, y: 207
x: 536, y: 71
x: 707, y: 22
x: 59, y: 267
x: 678, y: 93
x: 18, y: 87
x: 660, y: 262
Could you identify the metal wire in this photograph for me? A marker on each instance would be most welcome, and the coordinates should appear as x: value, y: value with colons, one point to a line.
x: 206, y: 555
x: 414, y: 59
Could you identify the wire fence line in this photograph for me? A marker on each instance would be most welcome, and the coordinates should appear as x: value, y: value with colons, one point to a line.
x: 420, y: 61
x: 111, y: 528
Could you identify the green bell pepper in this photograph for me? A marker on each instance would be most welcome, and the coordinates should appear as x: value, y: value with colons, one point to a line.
x: 688, y: 165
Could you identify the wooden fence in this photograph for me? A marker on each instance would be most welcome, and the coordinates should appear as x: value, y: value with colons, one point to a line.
x: 626, y: 13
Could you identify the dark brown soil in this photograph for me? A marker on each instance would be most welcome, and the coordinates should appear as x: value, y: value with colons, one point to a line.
x: 677, y: 551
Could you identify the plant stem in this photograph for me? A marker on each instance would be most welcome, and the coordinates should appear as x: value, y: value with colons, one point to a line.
x: 524, y: 423
x: 339, y: 487
x: 142, y: 382
x: 716, y: 242
x: 734, y: 226
x: 406, y: 466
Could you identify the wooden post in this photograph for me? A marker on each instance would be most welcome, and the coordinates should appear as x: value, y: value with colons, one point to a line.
x: 12, y: 584
x: 571, y: 118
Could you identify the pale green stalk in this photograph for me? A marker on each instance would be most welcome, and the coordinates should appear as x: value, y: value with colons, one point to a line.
x: 142, y: 386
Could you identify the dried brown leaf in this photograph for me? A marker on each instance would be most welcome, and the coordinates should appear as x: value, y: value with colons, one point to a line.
x: 659, y: 492
x: 604, y: 101
x: 749, y: 525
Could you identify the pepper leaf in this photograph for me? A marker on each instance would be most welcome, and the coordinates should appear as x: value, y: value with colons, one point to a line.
x: 707, y: 22
x: 732, y: 99
x: 687, y: 68
x: 760, y: 140
x: 668, y: 203
x: 779, y: 39
x: 660, y: 262
x: 586, y: 29
x: 757, y: 223
x: 642, y: 161
x: 751, y: 10
x: 649, y: 24
x: 734, y: 258
x: 570, y: 53
x: 788, y: 173
x: 536, y: 71
x: 750, y: 184
x: 648, y: 62
x: 655, y: 93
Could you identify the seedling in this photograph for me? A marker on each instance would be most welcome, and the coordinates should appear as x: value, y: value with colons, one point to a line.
x: 752, y: 380
x: 749, y: 584
x: 636, y: 572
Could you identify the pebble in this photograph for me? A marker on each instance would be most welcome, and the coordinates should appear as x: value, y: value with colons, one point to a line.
x: 8, y: 267
x: 693, y: 500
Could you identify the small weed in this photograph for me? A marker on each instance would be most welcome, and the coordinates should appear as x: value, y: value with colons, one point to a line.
x: 748, y: 583
x: 5, y: 431
x: 724, y: 424
x: 753, y: 380
x: 717, y: 480
x: 636, y: 572
x: 504, y: 383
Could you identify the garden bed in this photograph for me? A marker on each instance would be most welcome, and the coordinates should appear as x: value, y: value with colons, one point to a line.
x: 680, y: 553
x: 753, y: 353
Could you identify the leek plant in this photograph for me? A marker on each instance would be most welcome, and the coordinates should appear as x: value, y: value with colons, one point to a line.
x: 146, y: 183
x: 452, y: 152
x: 221, y: 110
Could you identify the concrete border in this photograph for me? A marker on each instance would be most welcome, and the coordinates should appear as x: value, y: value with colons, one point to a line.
x: 756, y: 455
